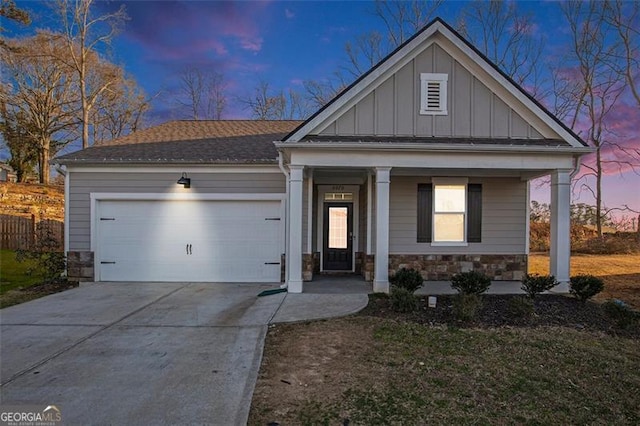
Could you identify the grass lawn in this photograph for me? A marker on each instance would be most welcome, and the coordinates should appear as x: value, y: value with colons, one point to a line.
x: 381, y: 371
x: 13, y: 275
x: 620, y: 272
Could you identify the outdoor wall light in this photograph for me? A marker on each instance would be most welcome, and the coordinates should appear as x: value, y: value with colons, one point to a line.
x: 184, y: 180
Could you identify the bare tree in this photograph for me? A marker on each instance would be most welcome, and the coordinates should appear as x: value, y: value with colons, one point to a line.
x: 40, y: 90
x: 202, y: 93
x: 625, y: 18
x: 120, y: 110
x: 508, y: 38
x: 595, y: 89
x: 401, y: 19
x: 267, y: 104
x: 85, y: 32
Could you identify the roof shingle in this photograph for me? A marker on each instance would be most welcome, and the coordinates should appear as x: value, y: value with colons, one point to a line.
x: 192, y: 141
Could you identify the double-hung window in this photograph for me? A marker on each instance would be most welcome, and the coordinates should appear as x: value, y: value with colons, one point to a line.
x: 449, y: 212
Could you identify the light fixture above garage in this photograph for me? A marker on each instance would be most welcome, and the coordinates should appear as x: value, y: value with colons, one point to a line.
x: 184, y: 180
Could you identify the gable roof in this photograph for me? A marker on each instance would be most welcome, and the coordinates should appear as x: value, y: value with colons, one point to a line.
x: 438, y: 25
x: 191, y: 141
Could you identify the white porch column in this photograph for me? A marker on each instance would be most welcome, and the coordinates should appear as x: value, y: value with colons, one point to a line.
x: 381, y: 277
x: 560, y: 229
x: 294, y: 257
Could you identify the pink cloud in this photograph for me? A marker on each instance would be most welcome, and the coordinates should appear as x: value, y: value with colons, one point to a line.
x: 289, y: 14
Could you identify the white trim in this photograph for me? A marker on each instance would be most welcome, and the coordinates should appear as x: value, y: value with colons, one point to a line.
x: 381, y: 262
x: 527, y: 227
x: 442, y: 80
x: 369, y: 210
x: 185, y: 197
x: 355, y: 217
x: 67, y: 202
x: 309, y: 248
x: 96, y: 197
x: 435, y: 181
x: 294, y: 256
x: 189, y: 168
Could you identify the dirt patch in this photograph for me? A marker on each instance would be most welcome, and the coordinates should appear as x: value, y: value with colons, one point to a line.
x: 14, y: 297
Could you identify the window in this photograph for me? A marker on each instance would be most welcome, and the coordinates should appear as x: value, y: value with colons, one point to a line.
x: 433, y: 94
x: 449, y: 212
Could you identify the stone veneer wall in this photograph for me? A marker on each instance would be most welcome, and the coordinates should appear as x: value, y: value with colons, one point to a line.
x: 310, y: 265
x: 80, y: 266
x: 438, y: 267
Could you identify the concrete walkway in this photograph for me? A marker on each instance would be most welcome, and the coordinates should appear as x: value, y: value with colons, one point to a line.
x: 148, y: 353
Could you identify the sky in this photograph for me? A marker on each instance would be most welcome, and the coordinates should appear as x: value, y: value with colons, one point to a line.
x: 285, y: 43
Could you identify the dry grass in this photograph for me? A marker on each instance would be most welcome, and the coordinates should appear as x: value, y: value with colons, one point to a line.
x: 620, y: 272
x: 381, y: 371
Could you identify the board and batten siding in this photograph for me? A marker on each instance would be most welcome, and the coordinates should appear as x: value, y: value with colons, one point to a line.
x: 504, y: 217
x: 82, y: 184
x: 393, y: 107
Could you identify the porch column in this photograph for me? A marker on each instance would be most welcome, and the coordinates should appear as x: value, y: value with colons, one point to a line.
x: 381, y: 277
x: 294, y: 257
x: 560, y: 229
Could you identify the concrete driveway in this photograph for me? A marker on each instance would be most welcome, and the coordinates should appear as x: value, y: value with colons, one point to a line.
x: 143, y: 353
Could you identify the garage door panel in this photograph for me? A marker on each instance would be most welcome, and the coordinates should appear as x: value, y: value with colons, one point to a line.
x: 233, y: 241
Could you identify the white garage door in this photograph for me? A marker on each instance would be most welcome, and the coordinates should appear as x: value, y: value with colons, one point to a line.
x: 205, y: 241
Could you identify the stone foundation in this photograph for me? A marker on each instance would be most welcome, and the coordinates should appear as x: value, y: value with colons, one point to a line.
x: 439, y: 267
x: 368, y: 266
x: 283, y: 267
x: 310, y: 265
x: 80, y: 266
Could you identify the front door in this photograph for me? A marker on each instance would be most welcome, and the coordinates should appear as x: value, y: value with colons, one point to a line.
x: 338, y: 237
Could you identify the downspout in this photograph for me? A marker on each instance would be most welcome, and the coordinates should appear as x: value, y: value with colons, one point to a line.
x: 576, y: 168
x: 286, y: 216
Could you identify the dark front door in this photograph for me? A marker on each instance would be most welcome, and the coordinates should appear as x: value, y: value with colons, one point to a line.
x: 338, y: 237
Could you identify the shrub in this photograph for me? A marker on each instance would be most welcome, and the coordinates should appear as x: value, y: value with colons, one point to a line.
x: 409, y: 279
x: 466, y: 306
x: 520, y: 307
x: 534, y: 284
x: 584, y: 287
x: 620, y: 312
x: 471, y: 282
x: 403, y: 300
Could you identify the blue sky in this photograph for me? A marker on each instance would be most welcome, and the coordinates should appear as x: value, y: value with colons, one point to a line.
x: 281, y: 42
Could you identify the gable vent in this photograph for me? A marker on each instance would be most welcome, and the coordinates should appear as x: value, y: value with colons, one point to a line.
x: 433, y: 94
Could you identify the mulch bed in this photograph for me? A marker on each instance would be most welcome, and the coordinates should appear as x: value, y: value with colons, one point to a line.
x: 550, y: 310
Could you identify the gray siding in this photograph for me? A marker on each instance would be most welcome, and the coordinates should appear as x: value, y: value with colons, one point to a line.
x: 503, y: 218
x: 392, y: 108
x: 82, y: 184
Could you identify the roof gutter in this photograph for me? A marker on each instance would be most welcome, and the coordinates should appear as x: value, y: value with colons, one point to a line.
x: 434, y: 147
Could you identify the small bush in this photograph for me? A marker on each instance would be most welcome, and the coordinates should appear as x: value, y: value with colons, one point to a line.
x: 520, y: 307
x: 403, y: 300
x: 470, y: 282
x: 466, y: 306
x: 584, y: 287
x: 620, y: 312
x: 534, y: 284
x: 409, y: 279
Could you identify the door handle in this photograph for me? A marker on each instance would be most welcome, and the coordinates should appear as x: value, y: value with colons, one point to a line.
x: 190, y: 251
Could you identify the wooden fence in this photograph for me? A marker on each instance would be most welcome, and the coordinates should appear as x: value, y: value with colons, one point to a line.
x: 26, y: 233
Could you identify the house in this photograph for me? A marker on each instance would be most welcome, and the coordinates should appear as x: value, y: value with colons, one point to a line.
x: 7, y: 174
x: 424, y: 162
